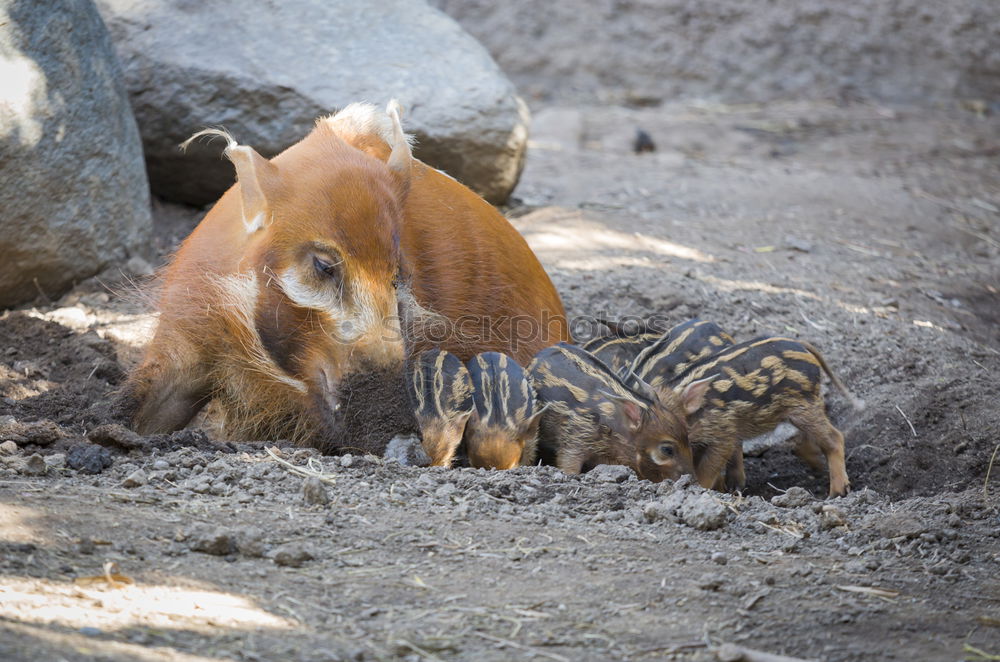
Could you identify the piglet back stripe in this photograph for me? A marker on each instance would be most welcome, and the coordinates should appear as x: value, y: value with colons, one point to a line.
x: 436, y: 386
x: 679, y: 349
x: 580, y: 368
x: 502, y: 394
x: 745, y: 357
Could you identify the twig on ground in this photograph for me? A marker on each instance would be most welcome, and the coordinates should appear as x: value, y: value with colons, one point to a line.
x: 418, y: 650
x: 907, y: 419
x: 820, y: 327
x: 734, y: 653
x: 979, y: 235
x: 673, y: 649
x: 986, y: 481
x: 979, y: 654
x: 787, y: 530
x: 882, y: 593
x: 514, y: 644
x: 41, y: 292
x: 306, y: 472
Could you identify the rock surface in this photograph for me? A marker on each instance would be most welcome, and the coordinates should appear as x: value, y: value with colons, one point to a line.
x: 75, y: 197
x: 647, y: 52
x: 266, y: 71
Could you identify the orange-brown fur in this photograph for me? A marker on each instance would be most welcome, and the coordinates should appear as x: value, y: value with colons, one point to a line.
x: 493, y: 448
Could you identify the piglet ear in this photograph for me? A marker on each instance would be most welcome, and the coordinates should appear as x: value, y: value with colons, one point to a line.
x: 257, y: 177
x: 636, y: 382
x: 531, y: 429
x: 463, y: 420
x: 693, y: 395
x: 470, y: 422
x: 629, y: 411
x: 401, y: 157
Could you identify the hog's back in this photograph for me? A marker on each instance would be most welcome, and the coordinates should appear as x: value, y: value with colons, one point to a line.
x: 469, y: 264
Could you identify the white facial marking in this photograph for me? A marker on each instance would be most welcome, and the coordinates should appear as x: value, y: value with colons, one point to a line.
x: 304, y: 294
x: 350, y: 325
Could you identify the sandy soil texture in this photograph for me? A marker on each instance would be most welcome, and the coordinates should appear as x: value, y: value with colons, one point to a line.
x: 872, y: 232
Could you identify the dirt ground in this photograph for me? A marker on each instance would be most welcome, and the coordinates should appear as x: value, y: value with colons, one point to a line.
x: 873, y: 232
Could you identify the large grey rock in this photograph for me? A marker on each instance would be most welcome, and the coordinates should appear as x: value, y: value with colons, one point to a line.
x: 909, y: 51
x: 74, y: 196
x: 266, y: 70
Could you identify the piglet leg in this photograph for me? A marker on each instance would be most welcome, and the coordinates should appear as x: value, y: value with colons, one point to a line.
x: 736, y: 478
x: 817, y: 430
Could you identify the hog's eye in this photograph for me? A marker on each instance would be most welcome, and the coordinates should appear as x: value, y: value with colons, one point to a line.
x: 667, y: 450
x: 326, y: 269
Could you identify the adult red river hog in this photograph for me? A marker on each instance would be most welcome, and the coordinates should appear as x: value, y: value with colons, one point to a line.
x: 293, y: 304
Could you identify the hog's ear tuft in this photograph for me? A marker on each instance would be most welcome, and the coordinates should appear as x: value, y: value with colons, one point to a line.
x: 257, y: 177
x: 401, y: 157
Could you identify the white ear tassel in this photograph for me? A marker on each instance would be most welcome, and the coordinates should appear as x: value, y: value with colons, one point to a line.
x: 395, y: 113
x: 399, y: 159
x: 252, y: 172
x: 214, y: 133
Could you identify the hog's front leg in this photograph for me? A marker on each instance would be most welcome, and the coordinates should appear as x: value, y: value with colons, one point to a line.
x: 165, y: 392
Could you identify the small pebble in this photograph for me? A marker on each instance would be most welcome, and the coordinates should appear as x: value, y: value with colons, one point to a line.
x: 217, y: 467
x: 685, y: 481
x: 314, y: 492
x: 901, y: 525
x: 56, y: 461
x: 88, y: 458
x: 831, y: 517
x: 445, y: 491
x: 720, y: 558
x: 407, y: 450
x: 856, y: 567
x: 135, y: 479
x: 798, y: 244
x: 703, y: 512
x: 8, y: 447
x: 88, y: 631
x: 251, y: 542
x: 711, y: 581
x: 216, y: 543
x: 115, y: 436
x: 346, y: 460
x: 292, y: 555
x: 34, y: 466
x: 302, y: 455
x: 610, y: 473
x: 161, y: 465
x: 795, y: 497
